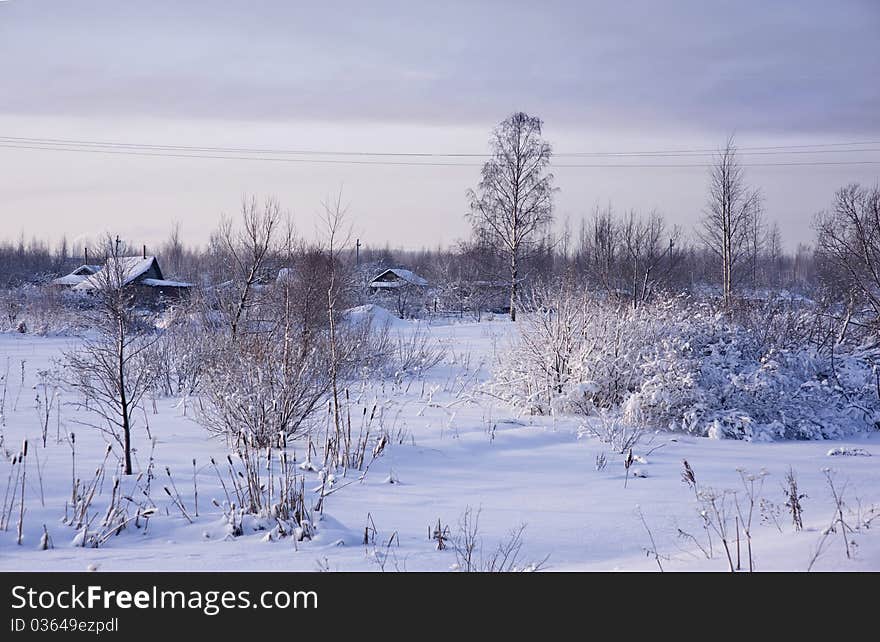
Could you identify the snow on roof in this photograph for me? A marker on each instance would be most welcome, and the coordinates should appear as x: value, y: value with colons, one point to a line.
x: 131, y: 267
x: 79, y: 275
x: 164, y: 283
x: 402, y: 275
x: 86, y: 270
x: 70, y: 279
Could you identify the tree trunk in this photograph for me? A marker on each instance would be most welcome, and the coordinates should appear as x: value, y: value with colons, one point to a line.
x: 513, y: 280
x: 727, y: 244
x: 126, y: 432
x: 333, y: 365
x: 123, y: 400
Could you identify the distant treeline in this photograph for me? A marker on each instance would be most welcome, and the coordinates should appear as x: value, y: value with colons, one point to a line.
x: 608, y: 251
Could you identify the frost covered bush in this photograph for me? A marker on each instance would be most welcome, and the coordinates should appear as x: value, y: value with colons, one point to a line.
x: 686, y: 366
x: 182, y: 355
x: 536, y: 370
x: 574, y: 353
x: 256, y: 388
x: 724, y: 390
x: 261, y: 385
x: 40, y: 310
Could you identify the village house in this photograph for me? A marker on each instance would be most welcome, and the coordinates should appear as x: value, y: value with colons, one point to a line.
x: 401, y: 289
x: 140, y: 274
x: 396, y: 278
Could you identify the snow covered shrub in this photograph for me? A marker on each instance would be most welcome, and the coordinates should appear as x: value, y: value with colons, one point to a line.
x: 259, y: 385
x: 181, y: 356
x: 848, y: 451
x: 728, y: 392
x: 536, y: 371
x: 683, y: 365
x: 577, y: 354
x: 41, y: 310
x: 11, y: 305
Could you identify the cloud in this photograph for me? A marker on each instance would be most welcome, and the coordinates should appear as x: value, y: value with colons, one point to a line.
x: 780, y: 67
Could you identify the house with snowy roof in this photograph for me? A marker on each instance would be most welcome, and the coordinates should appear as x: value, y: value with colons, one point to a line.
x: 396, y: 278
x: 401, y: 289
x: 139, y: 274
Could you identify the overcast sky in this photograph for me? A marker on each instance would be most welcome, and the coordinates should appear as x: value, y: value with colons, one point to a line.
x: 421, y: 77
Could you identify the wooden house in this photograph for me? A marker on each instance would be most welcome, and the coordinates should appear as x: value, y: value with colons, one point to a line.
x: 396, y: 278
x: 141, y: 274
x: 402, y: 289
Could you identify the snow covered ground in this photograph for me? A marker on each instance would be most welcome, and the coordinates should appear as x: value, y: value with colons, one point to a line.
x: 459, y: 449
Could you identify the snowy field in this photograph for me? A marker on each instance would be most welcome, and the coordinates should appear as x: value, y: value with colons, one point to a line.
x: 454, y: 448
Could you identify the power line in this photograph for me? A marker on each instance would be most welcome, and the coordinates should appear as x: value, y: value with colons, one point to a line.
x: 812, y: 148
x: 244, y: 158
x: 739, y: 151
x: 349, y: 161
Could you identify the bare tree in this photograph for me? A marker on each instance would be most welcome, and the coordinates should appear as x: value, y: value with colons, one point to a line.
x: 848, y: 242
x: 338, y: 235
x: 757, y: 241
x: 110, y: 369
x: 650, y: 253
x: 173, y: 250
x: 62, y: 254
x: 729, y: 214
x: 468, y: 279
x: 514, y: 200
x: 246, y: 252
x: 598, y: 254
x: 774, y: 255
x: 634, y: 253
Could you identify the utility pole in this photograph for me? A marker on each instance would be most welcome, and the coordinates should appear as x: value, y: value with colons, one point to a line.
x: 357, y: 252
